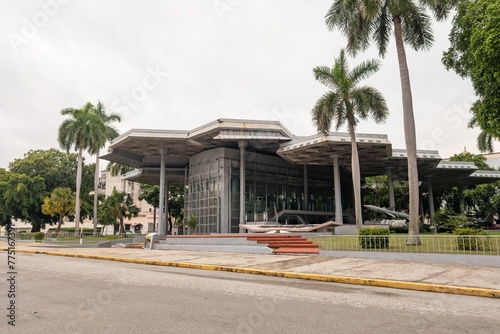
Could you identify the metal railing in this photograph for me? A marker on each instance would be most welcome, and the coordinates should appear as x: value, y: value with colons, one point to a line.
x: 429, y: 244
x: 68, y: 238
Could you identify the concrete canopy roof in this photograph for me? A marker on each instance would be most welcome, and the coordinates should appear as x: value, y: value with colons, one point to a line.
x: 449, y: 174
x: 141, y: 149
x: 375, y: 154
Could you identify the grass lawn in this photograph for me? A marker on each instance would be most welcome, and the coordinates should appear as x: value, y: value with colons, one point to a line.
x: 431, y: 244
x: 87, y: 239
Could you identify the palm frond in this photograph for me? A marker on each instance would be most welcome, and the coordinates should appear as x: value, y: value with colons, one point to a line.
x: 440, y: 8
x: 364, y: 70
x: 341, y: 115
x: 326, y: 76
x: 382, y: 30
x: 324, y: 111
x: 417, y: 30
x: 349, y: 18
x: 485, y: 142
x: 369, y: 102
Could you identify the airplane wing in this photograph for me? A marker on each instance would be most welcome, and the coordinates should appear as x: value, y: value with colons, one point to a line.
x: 391, y: 213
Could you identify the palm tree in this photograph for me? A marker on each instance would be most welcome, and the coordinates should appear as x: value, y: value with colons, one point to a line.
x: 101, y: 133
x: 116, y: 207
x: 60, y: 203
x: 365, y: 20
x: 75, y: 131
x: 346, y: 102
x: 484, y: 139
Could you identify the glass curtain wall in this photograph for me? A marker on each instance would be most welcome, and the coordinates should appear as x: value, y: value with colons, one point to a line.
x: 272, y: 185
x: 203, y: 198
x: 271, y: 189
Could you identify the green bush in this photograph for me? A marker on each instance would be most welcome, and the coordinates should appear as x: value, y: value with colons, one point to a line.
x: 374, y: 237
x: 472, y: 239
x: 38, y: 236
x: 192, y: 222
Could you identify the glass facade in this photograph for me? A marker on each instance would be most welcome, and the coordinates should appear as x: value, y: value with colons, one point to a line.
x: 272, y: 186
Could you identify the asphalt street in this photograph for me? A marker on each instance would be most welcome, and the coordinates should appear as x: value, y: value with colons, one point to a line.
x: 74, y: 295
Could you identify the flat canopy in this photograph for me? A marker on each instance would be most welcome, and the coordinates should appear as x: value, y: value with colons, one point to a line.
x: 141, y: 149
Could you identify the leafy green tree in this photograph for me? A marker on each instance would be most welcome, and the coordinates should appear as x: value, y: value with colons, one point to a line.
x: 115, y: 207
x: 76, y: 131
x: 61, y: 203
x: 20, y: 198
x: 175, y: 204
x: 474, y: 53
x: 480, y: 199
x: 363, y: 21
x: 57, y: 168
x: 101, y: 133
x: 346, y: 102
x: 150, y: 194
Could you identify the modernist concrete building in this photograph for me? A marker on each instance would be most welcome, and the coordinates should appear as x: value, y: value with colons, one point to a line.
x: 240, y: 171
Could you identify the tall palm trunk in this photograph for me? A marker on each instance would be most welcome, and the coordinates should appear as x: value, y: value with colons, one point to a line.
x: 410, y: 134
x: 154, y: 219
x: 96, y: 186
x: 78, y: 185
x: 122, y: 226
x: 59, y: 222
x: 356, y: 178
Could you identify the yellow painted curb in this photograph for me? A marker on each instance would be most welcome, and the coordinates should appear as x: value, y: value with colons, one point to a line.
x: 469, y: 291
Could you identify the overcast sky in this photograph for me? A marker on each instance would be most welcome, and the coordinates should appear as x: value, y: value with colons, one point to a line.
x: 180, y: 64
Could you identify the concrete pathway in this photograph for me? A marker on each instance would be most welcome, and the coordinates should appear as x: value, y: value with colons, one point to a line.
x: 425, y: 276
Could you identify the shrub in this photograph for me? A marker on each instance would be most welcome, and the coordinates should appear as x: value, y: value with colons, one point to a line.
x: 38, y: 236
x: 374, y: 237
x: 192, y: 222
x: 472, y: 239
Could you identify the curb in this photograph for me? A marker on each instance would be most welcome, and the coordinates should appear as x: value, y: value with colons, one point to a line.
x: 468, y: 291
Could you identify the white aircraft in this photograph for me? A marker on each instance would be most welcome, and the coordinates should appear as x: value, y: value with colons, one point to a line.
x: 391, y: 213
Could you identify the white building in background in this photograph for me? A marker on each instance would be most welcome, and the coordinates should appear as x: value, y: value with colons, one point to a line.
x: 143, y: 223
x: 493, y: 160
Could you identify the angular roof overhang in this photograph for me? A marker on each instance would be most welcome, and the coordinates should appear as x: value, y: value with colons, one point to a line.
x: 374, y: 151
x: 151, y: 175
x: 320, y: 150
x: 141, y: 149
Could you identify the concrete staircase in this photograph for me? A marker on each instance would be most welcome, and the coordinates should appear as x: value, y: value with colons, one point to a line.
x: 286, y: 243
x: 262, y: 243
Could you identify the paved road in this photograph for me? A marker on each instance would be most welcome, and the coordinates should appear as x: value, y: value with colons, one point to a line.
x: 72, y: 295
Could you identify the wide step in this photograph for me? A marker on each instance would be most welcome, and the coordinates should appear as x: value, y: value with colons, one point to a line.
x: 287, y: 244
x: 293, y: 245
x: 288, y: 250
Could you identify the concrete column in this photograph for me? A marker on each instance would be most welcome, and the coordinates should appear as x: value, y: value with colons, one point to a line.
x: 186, y: 194
x: 421, y: 204
x: 242, y: 144
x: 166, y: 205
x: 390, y: 187
x: 336, y: 185
x: 306, y: 189
x: 431, y: 205
x: 161, y: 216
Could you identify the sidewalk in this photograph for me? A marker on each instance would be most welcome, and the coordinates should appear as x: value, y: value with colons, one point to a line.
x: 424, y: 276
